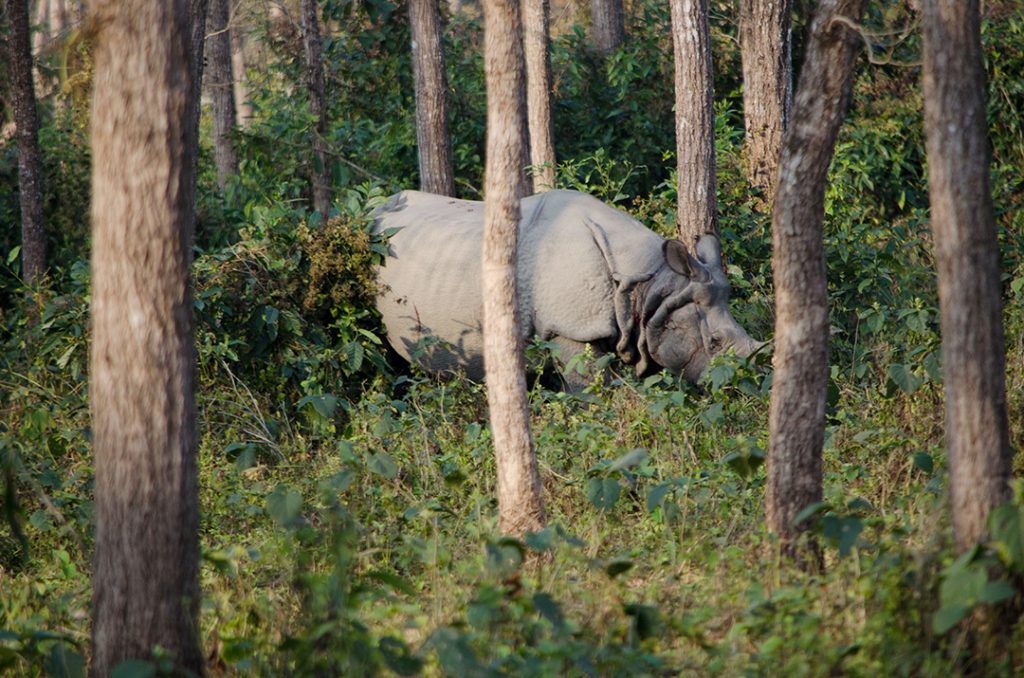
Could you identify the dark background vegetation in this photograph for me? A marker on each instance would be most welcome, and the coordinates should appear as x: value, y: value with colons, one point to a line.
x: 348, y: 513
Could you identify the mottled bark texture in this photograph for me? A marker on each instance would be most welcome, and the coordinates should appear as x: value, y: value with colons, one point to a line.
x: 433, y: 142
x: 697, y: 203
x: 967, y: 263
x: 146, y: 567
x: 520, y: 499
x: 536, y: 19
x: 221, y: 84
x: 606, y: 25
x: 796, y: 419
x: 765, y: 47
x: 30, y: 164
x: 313, y: 46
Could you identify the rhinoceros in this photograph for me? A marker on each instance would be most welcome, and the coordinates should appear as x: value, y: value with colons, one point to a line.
x: 588, y: 274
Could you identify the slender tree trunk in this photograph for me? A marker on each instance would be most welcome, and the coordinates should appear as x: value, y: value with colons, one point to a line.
x: 796, y: 419
x: 767, y: 87
x: 222, y: 82
x: 30, y: 164
x: 697, y: 203
x: 432, y: 139
x: 520, y: 499
x: 243, y: 109
x: 146, y: 571
x: 538, y: 92
x: 607, y: 25
x: 967, y: 263
x: 317, y: 102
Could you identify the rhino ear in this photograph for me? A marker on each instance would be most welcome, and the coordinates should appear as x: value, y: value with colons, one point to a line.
x: 682, y: 262
x: 709, y: 249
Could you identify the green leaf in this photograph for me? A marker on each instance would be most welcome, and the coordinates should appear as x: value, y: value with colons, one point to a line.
x: 947, y: 617
x: 631, y: 458
x: 549, y: 609
x: 906, y: 380
x: 713, y: 415
x: 656, y: 495
x: 284, y: 505
x: 398, y: 658
x: 383, y: 465
x: 603, y: 492
x: 541, y: 540
x: 323, y: 405
x: 963, y: 586
x: 617, y: 566
x: 12, y: 256
x: 41, y: 520
x: 997, y: 591
x: 1006, y: 525
x: 134, y: 668
x: 353, y: 356
x: 645, y: 619
x: 64, y: 662
x: 842, y: 530
x: 924, y: 461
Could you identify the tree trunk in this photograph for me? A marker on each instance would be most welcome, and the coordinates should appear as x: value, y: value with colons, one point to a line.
x: 222, y: 83
x: 697, y: 203
x: 30, y: 164
x: 796, y: 419
x: 315, y: 84
x: 520, y: 501
x: 243, y: 109
x: 767, y: 87
x: 607, y: 25
x: 967, y: 264
x: 538, y: 92
x: 432, y: 139
x: 146, y: 570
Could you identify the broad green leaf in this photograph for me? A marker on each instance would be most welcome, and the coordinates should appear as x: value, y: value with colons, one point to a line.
x: 997, y: 591
x: 603, y: 492
x: 617, y: 566
x: 904, y: 378
x: 398, y: 658
x: 947, y: 617
x: 656, y: 495
x: 923, y: 461
x: 383, y: 465
x: 549, y: 609
x: 1006, y: 525
x: 134, y: 669
x: 284, y: 505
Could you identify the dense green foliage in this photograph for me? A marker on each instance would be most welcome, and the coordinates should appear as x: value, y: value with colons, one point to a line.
x: 348, y: 512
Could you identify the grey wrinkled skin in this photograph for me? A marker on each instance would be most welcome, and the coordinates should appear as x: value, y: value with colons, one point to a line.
x: 588, y: 274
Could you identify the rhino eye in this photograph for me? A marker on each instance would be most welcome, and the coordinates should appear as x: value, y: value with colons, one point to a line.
x: 715, y: 344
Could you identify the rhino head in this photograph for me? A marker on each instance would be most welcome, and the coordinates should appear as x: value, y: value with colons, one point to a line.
x: 678, y: 318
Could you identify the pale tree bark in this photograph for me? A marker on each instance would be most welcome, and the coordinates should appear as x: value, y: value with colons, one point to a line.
x: 146, y: 569
x: 315, y: 86
x: 536, y: 40
x: 30, y: 163
x: 243, y: 109
x: 607, y: 25
x: 697, y: 203
x: 967, y: 264
x: 433, y: 143
x: 221, y: 86
x: 765, y: 47
x: 520, y: 499
x: 796, y: 418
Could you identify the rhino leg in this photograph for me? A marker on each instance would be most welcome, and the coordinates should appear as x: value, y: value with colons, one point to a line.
x: 576, y: 373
